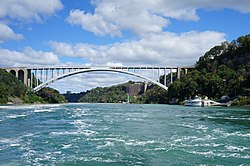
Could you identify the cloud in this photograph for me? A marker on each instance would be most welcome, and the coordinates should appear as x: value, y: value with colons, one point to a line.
x: 113, y: 17
x: 165, y: 49
x: 143, y: 17
x: 27, y: 58
x: 6, y: 33
x: 28, y: 10
x: 93, y: 23
x: 24, y: 11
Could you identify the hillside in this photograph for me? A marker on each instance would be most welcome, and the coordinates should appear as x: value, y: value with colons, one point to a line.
x: 114, y: 94
x: 223, y: 70
x: 14, y: 91
x: 10, y: 87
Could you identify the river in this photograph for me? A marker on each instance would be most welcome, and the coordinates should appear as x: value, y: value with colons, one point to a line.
x: 123, y: 134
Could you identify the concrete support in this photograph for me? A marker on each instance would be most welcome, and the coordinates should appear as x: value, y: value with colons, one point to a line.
x: 20, y: 73
x: 31, y: 79
x: 165, y: 77
x: 145, y: 86
x: 186, y: 71
x: 158, y: 75
x: 178, y: 72
x: 37, y: 83
x: 171, y: 76
x: 25, y: 77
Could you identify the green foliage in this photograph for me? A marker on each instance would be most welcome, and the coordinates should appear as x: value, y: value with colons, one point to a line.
x: 156, y: 95
x: 32, y: 97
x: 114, y: 94
x: 10, y: 86
x: 242, y: 101
x: 223, y: 70
x: 51, y: 95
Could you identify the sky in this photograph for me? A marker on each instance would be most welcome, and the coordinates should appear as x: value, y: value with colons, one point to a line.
x: 115, y: 33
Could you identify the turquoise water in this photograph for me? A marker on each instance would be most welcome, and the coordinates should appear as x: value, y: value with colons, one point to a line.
x: 123, y: 134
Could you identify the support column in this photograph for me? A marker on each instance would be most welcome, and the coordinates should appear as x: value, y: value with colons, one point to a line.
x: 41, y: 79
x: 52, y: 72
x: 145, y: 86
x: 178, y: 72
x: 16, y: 73
x: 171, y: 76
x: 31, y: 79
x: 186, y: 71
x: 165, y: 78
x: 37, y: 77
x: 25, y: 77
x: 158, y: 75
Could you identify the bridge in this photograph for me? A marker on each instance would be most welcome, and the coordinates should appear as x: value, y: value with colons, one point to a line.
x: 40, y: 77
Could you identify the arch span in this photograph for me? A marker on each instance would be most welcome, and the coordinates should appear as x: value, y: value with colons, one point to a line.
x: 97, y: 70
x: 21, y: 75
x: 13, y: 72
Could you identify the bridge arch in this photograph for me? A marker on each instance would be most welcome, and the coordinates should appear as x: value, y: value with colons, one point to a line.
x: 97, y: 70
x: 13, y: 72
x: 21, y: 75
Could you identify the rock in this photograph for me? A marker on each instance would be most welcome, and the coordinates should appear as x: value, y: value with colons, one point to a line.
x: 15, y: 100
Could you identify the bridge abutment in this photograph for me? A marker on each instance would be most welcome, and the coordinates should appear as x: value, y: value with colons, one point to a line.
x: 21, y: 73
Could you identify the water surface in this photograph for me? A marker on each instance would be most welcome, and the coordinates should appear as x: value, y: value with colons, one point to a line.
x: 123, y: 134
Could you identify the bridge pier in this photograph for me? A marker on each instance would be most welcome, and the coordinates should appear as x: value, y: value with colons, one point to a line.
x: 19, y: 72
x: 185, y: 68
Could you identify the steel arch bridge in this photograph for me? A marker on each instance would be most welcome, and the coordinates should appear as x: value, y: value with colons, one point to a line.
x: 96, y: 70
x: 40, y: 77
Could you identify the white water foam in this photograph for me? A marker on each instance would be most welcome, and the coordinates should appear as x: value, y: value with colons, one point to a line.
x: 66, y: 146
x: 15, y: 145
x: 80, y: 124
x: 139, y: 143
x: 106, y: 139
x: 65, y: 133
x: 198, y: 127
x: 44, y: 110
x: 225, y: 134
x: 236, y: 148
x: 99, y: 159
x: 84, y: 132
x: 88, y: 132
x: 10, y: 142
x: 107, y: 144
x: 14, y: 116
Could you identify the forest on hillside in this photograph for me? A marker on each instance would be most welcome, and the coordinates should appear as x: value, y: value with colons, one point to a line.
x: 224, y: 70
x: 14, y: 91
